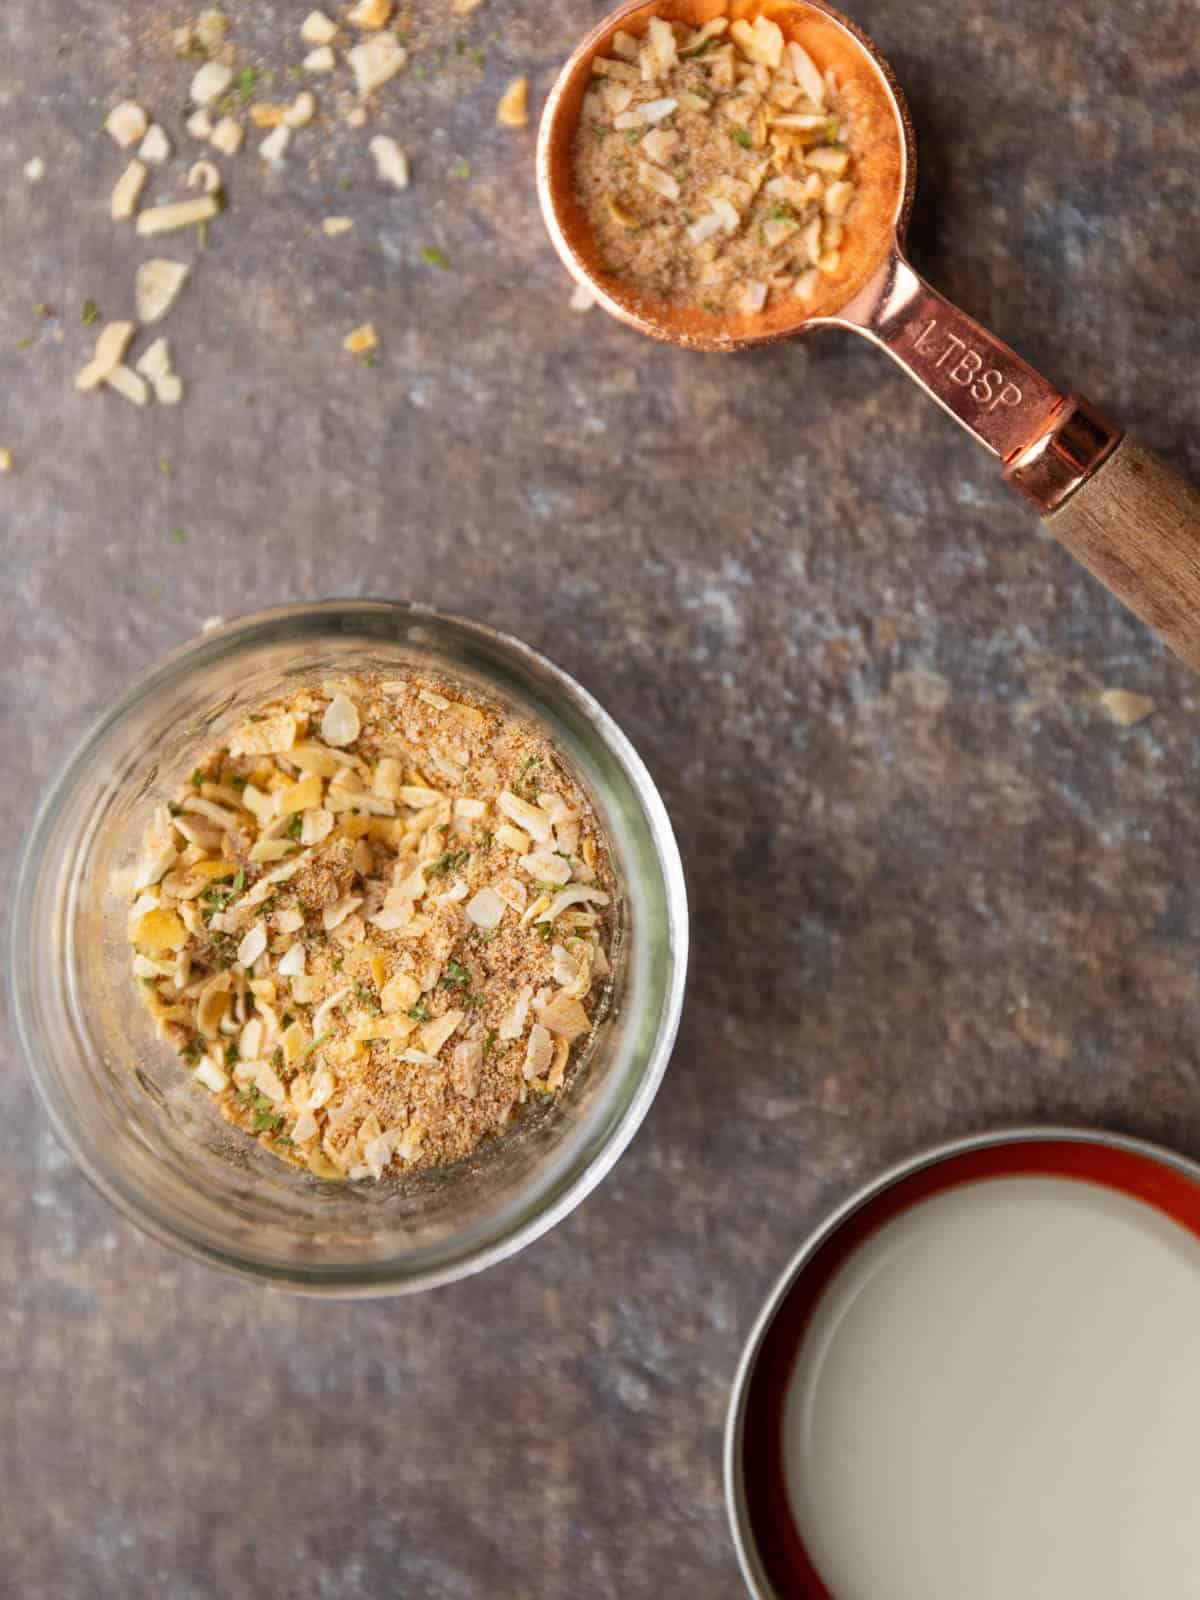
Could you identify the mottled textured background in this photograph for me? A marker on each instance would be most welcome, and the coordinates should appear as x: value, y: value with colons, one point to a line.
x: 934, y: 887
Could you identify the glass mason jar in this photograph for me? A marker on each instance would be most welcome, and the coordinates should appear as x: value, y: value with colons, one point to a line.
x: 152, y: 1142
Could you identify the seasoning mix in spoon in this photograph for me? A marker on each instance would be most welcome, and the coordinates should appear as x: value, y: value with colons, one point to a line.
x: 376, y: 923
x: 729, y: 173
x: 714, y: 163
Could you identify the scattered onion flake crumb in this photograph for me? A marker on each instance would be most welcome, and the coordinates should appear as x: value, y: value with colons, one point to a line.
x: 209, y: 30
x: 317, y: 28
x: 111, y: 344
x: 714, y: 164
x: 6, y: 460
x: 155, y: 147
x: 301, y: 111
x: 361, y: 341
x: 513, y: 110
x: 127, y: 124
x: 370, y: 14
x: 107, y: 368
x: 377, y: 59
x: 220, y: 106
x: 227, y: 136
x: 391, y: 163
x: 274, y: 146
x: 127, y: 191
x: 1126, y: 708
x: 210, y: 83
x: 130, y: 385
x: 155, y: 365
x: 158, y: 283
x: 180, y: 214
x: 332, y: 929
x: 204, y: 175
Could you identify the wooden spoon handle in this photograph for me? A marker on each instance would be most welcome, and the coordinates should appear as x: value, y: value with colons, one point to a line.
x: 1135, y: 524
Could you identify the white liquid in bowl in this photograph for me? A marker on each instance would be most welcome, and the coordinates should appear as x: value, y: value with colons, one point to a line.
x: 998, y: 1398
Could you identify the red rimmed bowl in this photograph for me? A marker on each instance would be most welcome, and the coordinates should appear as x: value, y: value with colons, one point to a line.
x: 980, y: 1376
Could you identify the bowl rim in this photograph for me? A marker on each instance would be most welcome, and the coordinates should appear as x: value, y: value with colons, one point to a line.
x: 591, y: 1168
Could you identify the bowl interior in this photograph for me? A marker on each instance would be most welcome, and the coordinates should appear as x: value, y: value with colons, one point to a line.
x: 125, y: 1107
x: 782, y: 1547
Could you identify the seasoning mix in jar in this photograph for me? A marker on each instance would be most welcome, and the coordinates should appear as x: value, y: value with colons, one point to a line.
x: 375, y: 923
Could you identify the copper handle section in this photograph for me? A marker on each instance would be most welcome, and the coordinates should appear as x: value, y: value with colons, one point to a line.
x: 996, y: 396
x: 1048, y: 442
x: 1119, y: 510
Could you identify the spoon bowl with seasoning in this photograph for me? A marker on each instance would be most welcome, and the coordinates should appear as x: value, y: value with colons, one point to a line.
x: 819, y: 115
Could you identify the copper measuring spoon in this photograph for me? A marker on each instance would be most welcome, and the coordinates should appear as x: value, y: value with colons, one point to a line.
x: 1119, y: 509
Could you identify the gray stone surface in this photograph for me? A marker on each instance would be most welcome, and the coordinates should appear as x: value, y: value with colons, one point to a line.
x: 934, y: 888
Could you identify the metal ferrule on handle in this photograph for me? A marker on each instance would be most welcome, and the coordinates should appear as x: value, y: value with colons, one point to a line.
x: 1049, y: 443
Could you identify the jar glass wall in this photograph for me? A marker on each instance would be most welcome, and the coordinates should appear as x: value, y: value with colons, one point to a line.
x: 126, y: 1109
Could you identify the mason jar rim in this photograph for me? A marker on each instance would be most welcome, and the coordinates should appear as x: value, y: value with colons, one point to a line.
x: 331, y: 617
